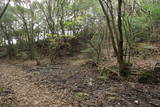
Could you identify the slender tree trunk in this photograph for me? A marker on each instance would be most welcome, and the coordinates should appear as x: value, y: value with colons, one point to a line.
x: 122, y: 66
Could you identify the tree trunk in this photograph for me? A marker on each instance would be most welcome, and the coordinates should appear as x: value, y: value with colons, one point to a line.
x: 122, y: 66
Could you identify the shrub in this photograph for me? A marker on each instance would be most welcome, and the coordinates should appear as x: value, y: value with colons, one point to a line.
x: 104, y: 74
x: 22, y: 55
x: 145, y: 77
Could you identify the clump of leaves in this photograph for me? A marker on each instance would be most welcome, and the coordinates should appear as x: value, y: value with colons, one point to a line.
x: 1, y: 89
x: 81, y: 94
x: 104, y: 74
x: 109, y: 73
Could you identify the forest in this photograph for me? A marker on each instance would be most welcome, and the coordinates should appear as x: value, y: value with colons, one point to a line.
x: 79, y: 53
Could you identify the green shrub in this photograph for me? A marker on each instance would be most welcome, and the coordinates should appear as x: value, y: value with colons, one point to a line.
x: 89, y: 52
x: 1, y: 90
x: 3, y: 53
x: 145, y: 77
x: 95, y: 46
x: 22, y: 55
x: 104, y: 74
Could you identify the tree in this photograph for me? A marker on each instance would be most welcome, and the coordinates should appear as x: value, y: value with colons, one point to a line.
x: 27, y: 17
x: 7, y: 31
x: 115, y: 30
x: 4, y: 10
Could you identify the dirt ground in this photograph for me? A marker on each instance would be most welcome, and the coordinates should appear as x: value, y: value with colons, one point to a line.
x: 68, y: 83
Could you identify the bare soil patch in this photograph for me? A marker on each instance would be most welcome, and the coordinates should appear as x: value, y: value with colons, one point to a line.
x: 69, y: 84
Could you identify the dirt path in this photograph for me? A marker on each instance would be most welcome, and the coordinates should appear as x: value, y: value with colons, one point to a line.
x: 69, y: 84
x: 27, y: 93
